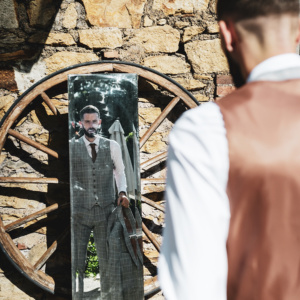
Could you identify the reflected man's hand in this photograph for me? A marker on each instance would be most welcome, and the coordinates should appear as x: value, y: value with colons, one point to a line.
x: 123, y: 200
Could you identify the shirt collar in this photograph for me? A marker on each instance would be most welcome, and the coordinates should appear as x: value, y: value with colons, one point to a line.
x: 274, y: 64
x: 87, y: 142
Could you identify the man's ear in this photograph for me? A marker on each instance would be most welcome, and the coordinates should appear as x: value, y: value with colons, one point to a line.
x: 80, y: 124
x: 298, y: 33
x: 227, y: 35
x: 100, y: 121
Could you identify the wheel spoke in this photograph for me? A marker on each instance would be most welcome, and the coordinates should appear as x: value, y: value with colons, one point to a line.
x: 31, y: 217
x: 28, y: 180
x: 50, y: 251
x: 32, y: 143
x: 152, y: 203
x: 153, y: 180
x: 163, y: 82
x: 151, y: 237
x: 49, y: 103
x: 159, y: 158
x: 158, y: 121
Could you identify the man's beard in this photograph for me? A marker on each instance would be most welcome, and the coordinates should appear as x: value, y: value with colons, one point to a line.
x: 235, y: 71
x: 90, y: 134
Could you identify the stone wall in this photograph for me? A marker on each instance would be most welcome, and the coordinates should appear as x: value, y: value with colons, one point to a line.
x: 38, y: 37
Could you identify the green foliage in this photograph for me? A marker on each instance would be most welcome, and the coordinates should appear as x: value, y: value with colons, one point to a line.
x: 92, y: 264
x: 129, y: 136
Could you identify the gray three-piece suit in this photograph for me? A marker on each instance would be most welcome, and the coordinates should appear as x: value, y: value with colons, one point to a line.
x: 93, y: 200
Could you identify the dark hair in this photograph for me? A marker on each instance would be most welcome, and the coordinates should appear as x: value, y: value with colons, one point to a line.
x: 89, y: 109
x: 246, y: 9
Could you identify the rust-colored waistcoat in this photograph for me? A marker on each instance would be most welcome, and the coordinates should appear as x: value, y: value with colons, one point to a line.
x: 262, y: 120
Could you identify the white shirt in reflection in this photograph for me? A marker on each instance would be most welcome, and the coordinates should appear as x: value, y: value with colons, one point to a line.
x: 116, y: 156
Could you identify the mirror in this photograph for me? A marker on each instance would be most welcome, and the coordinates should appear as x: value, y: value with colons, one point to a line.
x: 104, y: 171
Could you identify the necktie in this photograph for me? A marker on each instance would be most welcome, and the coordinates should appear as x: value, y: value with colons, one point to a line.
x: 94, y: 154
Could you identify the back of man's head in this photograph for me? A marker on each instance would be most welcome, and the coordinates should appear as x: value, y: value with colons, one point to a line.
x: 247, y: 9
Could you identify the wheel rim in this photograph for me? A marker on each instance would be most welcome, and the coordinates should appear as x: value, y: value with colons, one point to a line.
x: 39, y: 90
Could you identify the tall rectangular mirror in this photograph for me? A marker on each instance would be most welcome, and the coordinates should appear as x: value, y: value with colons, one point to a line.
x: 106, y: 235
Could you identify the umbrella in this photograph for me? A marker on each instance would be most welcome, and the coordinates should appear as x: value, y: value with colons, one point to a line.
x: 117, y: 134
x: 136, y: 163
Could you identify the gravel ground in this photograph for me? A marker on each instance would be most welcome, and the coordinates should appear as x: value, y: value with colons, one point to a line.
x: 92, y: 290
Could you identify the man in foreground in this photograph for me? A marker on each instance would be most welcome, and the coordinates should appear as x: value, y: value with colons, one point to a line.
x: 96, y: 164
x: 233, y: 188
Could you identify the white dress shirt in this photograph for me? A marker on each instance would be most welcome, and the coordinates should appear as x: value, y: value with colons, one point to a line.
x: 193, y: 260
x: 116, y: 156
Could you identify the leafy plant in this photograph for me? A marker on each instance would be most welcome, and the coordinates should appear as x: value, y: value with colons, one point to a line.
x: 92, y: 264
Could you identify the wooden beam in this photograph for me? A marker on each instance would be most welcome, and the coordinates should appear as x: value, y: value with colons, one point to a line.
x: 152, y: 203
x: 159, y: 158
x: 158, y: 121
x: 43, y: 180
x: 49, y: 103
x: 31, y: 217
x: 151, y: 237
x: 153, y: 180
x: 32, y: 143
x: 50, y: 251
x: 9, y: 247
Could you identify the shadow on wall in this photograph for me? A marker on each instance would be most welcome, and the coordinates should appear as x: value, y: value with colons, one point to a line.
x: 24, y: 28
x: 58, y: 266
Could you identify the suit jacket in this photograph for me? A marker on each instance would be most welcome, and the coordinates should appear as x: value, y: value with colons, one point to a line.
x: 125, y: 255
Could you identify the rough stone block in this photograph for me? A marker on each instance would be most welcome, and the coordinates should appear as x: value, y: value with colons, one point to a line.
x: 202, y: 77
x: 8, y: 16
x: 111, y: 54
x: 5, y: 104
x: 147, y: 21
x: 60, y: 39
x: 181, y: 24
x: 155, y: 143
x: 8, y: 38
x: 201, y: 98
x: 157, y: 39
x: 162, y: 22
x: 213, y: 28
x: 118, y: 13
x: 180, y: 6
x: 101, y: 38
x: 190, y: 83
x: 149, y: 114
x: 190, y: 32
x: 41, y: 12
x: 207, y: 56
x: 167, y: 64
x: 70, y: 17
x: 64, y: 59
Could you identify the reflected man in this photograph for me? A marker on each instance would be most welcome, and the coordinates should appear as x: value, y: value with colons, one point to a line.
x: 96, y: 164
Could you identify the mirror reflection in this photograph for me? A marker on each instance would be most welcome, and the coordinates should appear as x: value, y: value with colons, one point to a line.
x: 107, y: 261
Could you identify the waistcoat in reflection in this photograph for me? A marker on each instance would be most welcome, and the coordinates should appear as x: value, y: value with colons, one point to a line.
x: 92, y: 183
x: 262, y: 120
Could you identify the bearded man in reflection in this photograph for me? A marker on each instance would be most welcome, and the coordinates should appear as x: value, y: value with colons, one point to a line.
x: 96, y: 165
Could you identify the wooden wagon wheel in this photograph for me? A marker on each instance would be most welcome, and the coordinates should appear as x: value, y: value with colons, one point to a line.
x: 23, y: 106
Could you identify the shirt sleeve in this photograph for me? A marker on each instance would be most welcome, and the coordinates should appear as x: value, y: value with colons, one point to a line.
x: 119, y: 170
x: 193, y: 260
